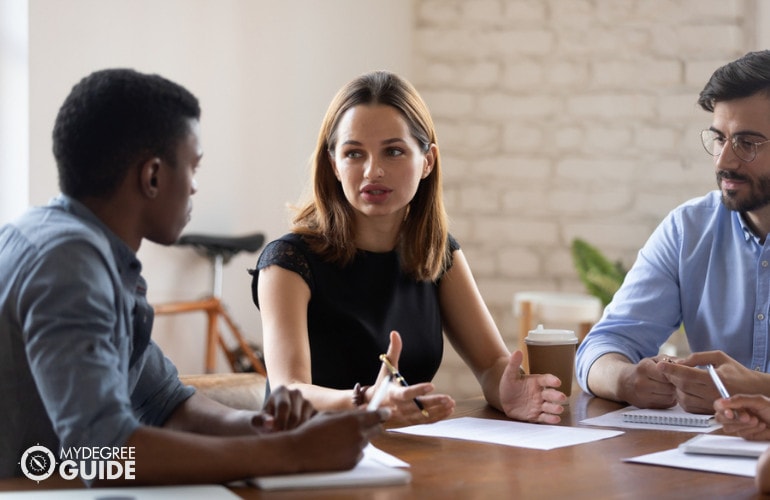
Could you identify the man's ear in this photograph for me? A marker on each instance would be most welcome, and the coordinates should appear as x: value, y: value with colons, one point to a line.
x: 148, y: 177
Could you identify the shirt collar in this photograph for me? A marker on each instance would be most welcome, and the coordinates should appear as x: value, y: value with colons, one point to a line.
x: 748, y: 234
x: 124, y: 255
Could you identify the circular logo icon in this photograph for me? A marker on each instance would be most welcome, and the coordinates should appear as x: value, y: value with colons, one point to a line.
x: 38, y: 463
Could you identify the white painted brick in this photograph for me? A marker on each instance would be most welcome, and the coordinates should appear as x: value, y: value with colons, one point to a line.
x: 606, y: 140
x: 448, y: 103
x: 512, y: 230
x: 439, y: 12
x: 522, y: 75
x: 520, y: 138
x: 526, y: 199
x: 499, y: 105
x: 711, y: 40
x: 524, y: 12
x: 482, y: 12
x: 564, y: 74
x: 518, y: 262
x: 636, y: 74
x: 566, y: 118
x: 479, y: 200
x: 605, y: 168
x: 523, y: 41
x: 612, y: 106
x: 513, y: 168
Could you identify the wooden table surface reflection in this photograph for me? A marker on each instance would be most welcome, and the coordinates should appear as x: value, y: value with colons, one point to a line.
x: 447, y: 468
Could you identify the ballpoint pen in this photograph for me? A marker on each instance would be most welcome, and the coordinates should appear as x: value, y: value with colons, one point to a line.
x: 396, y: 375
x: 720, y: 386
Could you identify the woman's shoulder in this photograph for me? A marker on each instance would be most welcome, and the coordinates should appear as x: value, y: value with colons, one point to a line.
x: 452, y: 243
x: 288, y: 247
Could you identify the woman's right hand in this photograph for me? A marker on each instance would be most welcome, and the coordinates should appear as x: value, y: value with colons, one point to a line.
x: 744, y: 415
x: 400, y: 400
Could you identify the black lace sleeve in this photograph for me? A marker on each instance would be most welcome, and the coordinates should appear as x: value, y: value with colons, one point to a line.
x: 283, y: 254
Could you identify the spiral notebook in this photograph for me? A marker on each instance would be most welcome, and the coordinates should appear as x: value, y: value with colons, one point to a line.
x: 668, y: 416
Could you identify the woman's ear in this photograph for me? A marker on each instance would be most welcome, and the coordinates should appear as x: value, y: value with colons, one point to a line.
x: 430, y: 160
x: 333, y: 164
x: 148, y: 177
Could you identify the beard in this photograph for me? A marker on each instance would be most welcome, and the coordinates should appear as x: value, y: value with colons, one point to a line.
x: 758, y: 196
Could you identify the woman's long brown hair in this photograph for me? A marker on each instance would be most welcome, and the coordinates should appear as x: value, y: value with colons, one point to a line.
x: 327, y: 222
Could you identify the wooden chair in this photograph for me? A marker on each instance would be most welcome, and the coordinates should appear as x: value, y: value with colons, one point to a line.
x: 219, y: 250
x: 571, y: 311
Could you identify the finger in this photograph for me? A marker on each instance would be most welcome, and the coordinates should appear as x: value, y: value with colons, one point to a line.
x: 394, y: 348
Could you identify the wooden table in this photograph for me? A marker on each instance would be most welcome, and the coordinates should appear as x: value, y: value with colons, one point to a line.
x: 447, y: 468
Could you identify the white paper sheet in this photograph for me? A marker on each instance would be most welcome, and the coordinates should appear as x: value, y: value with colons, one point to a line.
x: 615, y: 419
x: 737, y: 466
x: 508, y: 432
x: 377, y: 468
x: 202, y: 492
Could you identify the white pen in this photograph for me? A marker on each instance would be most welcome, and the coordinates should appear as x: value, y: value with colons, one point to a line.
x: 717, y: 381
x: 379, y: 395
x: 720, y: 386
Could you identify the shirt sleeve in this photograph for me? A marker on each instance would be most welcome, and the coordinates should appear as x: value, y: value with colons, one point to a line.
x: 645, y: 311
x: 283, y: 254
x: 158, y: 391
x: 77, y: 350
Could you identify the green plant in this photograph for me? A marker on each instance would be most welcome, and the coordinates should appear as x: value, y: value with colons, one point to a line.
x: 601, y: 277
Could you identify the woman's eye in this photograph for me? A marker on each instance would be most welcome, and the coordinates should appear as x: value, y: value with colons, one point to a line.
x: 353, y: 154
x: 394, y: 152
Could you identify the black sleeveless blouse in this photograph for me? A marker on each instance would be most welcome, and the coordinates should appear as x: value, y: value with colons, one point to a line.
x: 352, y: 310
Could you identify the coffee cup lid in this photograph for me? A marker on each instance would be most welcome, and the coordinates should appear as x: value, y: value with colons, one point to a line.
x: 549, y: 336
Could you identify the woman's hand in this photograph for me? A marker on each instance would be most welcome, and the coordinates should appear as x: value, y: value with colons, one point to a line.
x: 531, y: 398
x: 401, y: 400
x: 747, y: 416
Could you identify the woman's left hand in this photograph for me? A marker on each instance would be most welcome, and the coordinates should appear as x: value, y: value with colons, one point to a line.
x: 531, y: 398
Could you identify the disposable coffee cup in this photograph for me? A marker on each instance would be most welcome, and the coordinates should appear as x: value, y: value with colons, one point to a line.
x: 552, y: 351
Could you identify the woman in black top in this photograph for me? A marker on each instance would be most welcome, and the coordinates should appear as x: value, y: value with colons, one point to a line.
x: 370, y: 255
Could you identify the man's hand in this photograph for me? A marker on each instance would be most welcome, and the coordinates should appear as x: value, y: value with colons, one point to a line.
x: 285, y: 409
x: 335, y: 441
x: 642, y: 384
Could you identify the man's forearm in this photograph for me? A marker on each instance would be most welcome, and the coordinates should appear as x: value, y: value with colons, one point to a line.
x: 606, y: 375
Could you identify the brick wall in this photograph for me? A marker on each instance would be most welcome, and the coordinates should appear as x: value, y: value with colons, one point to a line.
x: 566, y: 118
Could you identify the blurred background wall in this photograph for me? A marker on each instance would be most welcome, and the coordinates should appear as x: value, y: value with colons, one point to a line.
x: 556, y: 119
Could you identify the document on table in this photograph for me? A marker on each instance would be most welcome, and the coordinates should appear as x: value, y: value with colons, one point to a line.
x: 508, y: 432
x: 737, y: 466
x: 377, y: 468
x: 615, y: 419
x: 192, y: 492
x: 724, y: 445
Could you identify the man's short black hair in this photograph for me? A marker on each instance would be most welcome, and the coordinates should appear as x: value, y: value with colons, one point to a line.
x: 743, y: 77
x: 114, y: 119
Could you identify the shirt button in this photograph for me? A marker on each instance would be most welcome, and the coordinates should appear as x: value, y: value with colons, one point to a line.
x: 760, y: 316
x: 757, y: 369
x: 764, y: 263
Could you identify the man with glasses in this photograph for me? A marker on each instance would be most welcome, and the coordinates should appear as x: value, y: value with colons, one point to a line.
x: 706, y: 267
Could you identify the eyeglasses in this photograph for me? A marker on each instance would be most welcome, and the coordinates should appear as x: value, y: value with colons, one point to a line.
x: 745, y: 149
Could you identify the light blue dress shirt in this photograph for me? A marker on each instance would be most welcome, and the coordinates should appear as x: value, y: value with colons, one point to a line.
x: 702, y: 267
x: 77, y: 367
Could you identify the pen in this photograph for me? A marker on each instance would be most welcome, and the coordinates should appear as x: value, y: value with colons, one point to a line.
x: 394, y: 373
x: 720, y: 386
x: 379, y: 395
x: 717, y: 381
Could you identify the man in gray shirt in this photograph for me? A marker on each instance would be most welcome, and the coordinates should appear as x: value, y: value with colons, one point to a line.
x: 77, y: 367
